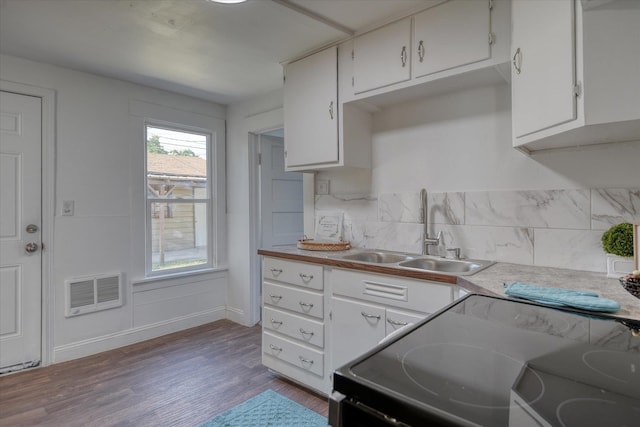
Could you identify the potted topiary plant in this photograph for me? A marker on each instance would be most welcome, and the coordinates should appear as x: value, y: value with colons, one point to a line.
x: 617, y: 241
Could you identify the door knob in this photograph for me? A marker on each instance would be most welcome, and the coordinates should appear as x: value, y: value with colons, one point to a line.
x: 31, y: 247
x: 32, y: 228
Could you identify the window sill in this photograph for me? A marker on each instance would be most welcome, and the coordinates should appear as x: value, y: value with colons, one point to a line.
x: 181, y: 275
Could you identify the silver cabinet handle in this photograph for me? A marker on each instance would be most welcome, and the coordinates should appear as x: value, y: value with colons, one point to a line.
x: 275, y: 297
x: 370, y: 316
x: 276, y: 322
x: 303, y: 332
x: 397, y: 322
x: 307, y: 361
x: 403, y: 56
x: 421, y: 50
x: 275, y: 348
x: 305, y: 304
x: 306, y: 277
x: 517, y: 61
x: 331, y: 110
x: 275, y: 271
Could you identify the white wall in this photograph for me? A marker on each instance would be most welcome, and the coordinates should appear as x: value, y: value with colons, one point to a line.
x: 96, y: 165
x: 238, y: 201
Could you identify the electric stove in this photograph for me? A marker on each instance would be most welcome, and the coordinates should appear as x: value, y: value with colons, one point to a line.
x: 489, y: 361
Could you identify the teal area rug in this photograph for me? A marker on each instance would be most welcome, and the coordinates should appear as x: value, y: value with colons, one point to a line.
x: 268, y: 409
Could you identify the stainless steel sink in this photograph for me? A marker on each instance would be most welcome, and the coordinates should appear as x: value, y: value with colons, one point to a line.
x: 463, y: 267
x: 458, y: 267
x: 378, y: 257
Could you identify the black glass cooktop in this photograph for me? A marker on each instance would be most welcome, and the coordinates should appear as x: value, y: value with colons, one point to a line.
x: 499, y: 362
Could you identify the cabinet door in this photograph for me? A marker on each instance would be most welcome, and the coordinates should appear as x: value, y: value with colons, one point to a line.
x: 356, y: 327
x: 543, y: 69
x: 311, y: 110
x: 450, y: 35
x: 382, y: 57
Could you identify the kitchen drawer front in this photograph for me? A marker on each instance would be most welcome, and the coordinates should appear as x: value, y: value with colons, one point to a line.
x: 297, y: 300
x: 417, y: 295
x: 293, y: 353
x: 295, y: 273
x: 397, y: 319
x: 297, y: 327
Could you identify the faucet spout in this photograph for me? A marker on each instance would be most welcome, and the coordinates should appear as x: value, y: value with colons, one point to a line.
x: 426, y: 240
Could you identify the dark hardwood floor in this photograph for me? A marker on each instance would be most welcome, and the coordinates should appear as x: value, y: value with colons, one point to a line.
x: 181, y: 379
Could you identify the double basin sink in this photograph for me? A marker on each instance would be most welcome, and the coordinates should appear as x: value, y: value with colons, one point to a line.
x: 458, y: 267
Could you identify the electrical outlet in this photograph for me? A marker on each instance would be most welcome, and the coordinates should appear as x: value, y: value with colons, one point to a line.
x: 322, y: 186
x: 68, y: 207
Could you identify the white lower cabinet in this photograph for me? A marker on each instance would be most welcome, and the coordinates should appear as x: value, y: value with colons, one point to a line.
x: 293, y: 328
x: 363, y: 308
x: 366, y: 307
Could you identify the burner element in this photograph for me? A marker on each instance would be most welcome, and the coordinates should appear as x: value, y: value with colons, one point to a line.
x: 595, y: 412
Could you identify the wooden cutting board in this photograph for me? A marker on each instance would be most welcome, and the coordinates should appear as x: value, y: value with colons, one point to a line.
x: 317, y: 245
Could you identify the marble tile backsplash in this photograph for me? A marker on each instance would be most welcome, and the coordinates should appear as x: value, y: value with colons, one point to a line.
x: 551, y: 228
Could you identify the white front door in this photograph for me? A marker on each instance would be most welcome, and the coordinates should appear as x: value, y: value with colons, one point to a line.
x: 280, y: 196
x: 20, y: 234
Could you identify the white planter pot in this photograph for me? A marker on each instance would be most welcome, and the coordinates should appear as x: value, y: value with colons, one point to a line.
x: 618, y: 266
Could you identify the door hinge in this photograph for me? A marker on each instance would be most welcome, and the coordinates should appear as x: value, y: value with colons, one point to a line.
x: 259, y: 158
x: 285, y: 154
x: 577, y: 89
x: 352, y: 54
x: 490, y: 4
x: 353, y: 81
x: 330, y: 315
x: 491, y: 38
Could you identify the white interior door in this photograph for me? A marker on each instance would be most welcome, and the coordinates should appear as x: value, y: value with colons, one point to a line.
x: 280, y: 196
x: 20, y: 235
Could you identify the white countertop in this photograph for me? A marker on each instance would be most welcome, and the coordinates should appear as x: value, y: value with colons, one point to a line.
x: 495, y: 276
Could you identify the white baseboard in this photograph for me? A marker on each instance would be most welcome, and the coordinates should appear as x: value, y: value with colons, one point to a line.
x: 237, y: 315
x: 131, y: 336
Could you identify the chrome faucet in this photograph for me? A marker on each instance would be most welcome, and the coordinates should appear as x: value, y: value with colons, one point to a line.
x: 426, y: 240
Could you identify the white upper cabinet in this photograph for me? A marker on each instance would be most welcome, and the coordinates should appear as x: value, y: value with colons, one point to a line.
x: 544, y: 69
x: 575, y: 78
x: 450, y: 35
x: 311, y: 110
x: 382, y: 57
x: 451, y: 45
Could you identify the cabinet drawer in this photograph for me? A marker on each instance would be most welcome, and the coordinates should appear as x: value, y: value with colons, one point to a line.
x: 417, y: 295
x: 296, y: 354
x: 295, y: 273
x: 297, y: 300
x: 300, y: 328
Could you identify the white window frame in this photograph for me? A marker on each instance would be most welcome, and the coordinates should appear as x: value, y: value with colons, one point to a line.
x: 211, y: 202
x: 210, y: 120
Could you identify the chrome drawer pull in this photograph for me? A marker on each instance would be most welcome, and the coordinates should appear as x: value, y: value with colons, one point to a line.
x: 275, y: 348
x: 370, y: 316
x: 275, y: 271
x: 275, y: 297
x: 397, y: 322
x: 303, y: 332
x: 305, y: 304
x: 276, y: 322
x: 307, y: 361
x: 306, y: 277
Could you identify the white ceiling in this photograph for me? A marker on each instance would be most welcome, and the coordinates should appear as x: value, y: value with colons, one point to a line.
x: 222, y: 53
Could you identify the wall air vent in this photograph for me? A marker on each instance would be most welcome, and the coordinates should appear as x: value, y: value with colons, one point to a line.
x: 94, y: 293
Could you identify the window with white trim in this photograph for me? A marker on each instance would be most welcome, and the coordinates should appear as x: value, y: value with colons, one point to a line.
x: 180, y: 184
